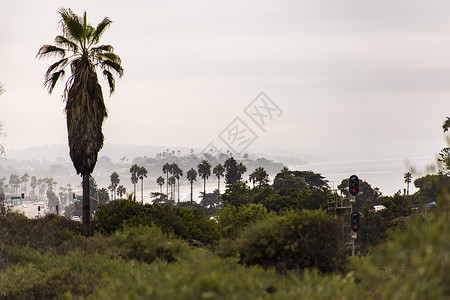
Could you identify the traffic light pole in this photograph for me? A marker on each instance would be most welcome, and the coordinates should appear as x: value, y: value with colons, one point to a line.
x: 354, y: 235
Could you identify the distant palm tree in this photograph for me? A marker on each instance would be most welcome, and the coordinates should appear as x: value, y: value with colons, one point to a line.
x: 177, y: 173
x: 191, y: 176
x: 85, y: 108
x: 160, y: 181
x: 166, y: 170
x: 121, y: 191
x: 114, y: 183
x: 141, y: 173
x: 218, y: 171
x: 204, y: 170
x: 134, y: 177
x: 259, y: 175
x: 408, y: 177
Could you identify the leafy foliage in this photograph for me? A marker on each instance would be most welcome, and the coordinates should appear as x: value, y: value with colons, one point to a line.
x: 189, y: 224
x: 292, y: 241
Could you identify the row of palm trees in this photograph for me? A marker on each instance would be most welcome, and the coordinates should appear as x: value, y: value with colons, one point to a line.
x: 231, y: 170
x: 175, y: 172
x: 136, y: 174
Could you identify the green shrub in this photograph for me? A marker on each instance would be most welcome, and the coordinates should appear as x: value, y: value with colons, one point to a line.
x: 39, y: 275
x: 202, y: 276
x: 189, y: 224
x: 414, y: 264
x: 292, y: 241
x: 144, y: 244
x: 49, y: 232
x: 232, y: 219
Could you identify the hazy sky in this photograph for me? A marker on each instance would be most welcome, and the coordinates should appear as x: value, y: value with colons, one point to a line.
x: 351, y: 79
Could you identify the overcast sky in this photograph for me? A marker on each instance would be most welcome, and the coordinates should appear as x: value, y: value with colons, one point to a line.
x: 349, y: 79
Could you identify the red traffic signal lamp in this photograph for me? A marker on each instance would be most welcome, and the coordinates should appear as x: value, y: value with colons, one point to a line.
x: 73, y: 195
x: 39, y: 208
x: 353, y: 185
x: 355, y: 221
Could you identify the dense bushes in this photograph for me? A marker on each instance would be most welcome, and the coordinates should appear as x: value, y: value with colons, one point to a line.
x: 191, y: 225
x: 414, y: 264
x: 232, y: 219
x: 141, y: 262
x: 49, y: 232
x: 36, y: 274
x: 291, y: 241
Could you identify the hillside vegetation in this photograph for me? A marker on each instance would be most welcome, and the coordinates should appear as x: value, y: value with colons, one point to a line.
x: 274, y: 256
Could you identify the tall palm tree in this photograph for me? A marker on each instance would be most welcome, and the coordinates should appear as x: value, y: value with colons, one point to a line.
x: 114, y: 183
x: 134, y: 177
x: 218, y: 171
x: 204, y: 170
x: 177, y: 173
x: 160, y: 181
x: 408, y: 177
x: 191, y: 176
x: 166, y: 170
x: 121, y: 191
x: 85, y: 109
x: 142, y: 172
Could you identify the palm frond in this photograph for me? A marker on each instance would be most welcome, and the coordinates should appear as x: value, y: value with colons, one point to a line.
x: 49, y: 50
x: 89, y: 34
x: 110, y: 56
x: 64, y: 41
x: 111, y: 81
x: 102, y: 48
x: 109, y: 65
x: 52, y: 79
x: 71, y: 24
x: 446, y: 125
x: 105, y: 23
x: 61, y: 64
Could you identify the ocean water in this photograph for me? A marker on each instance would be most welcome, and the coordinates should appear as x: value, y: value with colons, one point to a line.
x: 386, y: 174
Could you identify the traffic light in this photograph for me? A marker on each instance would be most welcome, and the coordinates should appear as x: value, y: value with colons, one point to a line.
x: 355, y: 221
x: 353, y: 185
x: 23, y: 195
x: 39, y: 208
x: 73, y: 195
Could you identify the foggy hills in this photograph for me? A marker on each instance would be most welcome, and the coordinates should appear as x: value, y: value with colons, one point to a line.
x: 54, y: 161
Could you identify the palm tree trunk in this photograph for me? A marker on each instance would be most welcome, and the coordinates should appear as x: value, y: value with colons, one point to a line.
x: 178, y: 190
x: 167, y: 185
x: 86, y: 206
x: 218, y: 190
x: 134, y: 191
x: 204, y: 188
x: 142, y: 189
x: 191, y: 191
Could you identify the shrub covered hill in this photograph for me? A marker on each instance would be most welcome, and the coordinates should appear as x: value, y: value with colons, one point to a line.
x: 266, y: 242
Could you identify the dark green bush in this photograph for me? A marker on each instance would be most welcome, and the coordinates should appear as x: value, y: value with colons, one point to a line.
x: 232, y: 219
x: 292, y: 241
x: 49, y: 232
x: 189, y: 224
